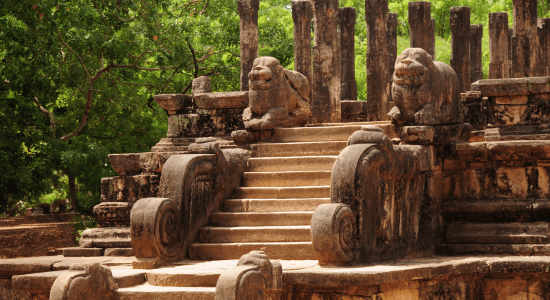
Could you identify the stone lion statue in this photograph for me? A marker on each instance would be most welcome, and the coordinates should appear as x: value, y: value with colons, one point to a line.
x: 424, y: 92
x: 277, y: 97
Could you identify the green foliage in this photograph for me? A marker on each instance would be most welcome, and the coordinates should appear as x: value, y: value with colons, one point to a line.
x: 81, y: 223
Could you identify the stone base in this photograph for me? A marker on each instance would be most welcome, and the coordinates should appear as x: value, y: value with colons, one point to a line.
x: 119, y: 252
x: 82, y: 252
x: 113, y: 214
x: 439, y: 134
x: 107, y: 237
x: 541, y: 132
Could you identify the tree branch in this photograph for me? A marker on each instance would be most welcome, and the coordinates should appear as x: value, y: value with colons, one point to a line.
x: 47, y: 113
x: 196, y: 73
x: 204, y: 8
x: 74, y: 53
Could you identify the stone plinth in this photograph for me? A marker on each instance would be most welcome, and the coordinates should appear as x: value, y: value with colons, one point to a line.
x: 302, y: 14
x: 420, y: 22
x: 173, y: 103
x: 248, y: 13
x: 378, y: 77
x: 499, y: 66
x: 348, y: 86
x: 476, y: 55
x: 460, y: 59
x: 325, y: 105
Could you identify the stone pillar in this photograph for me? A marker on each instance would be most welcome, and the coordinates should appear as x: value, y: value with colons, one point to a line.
x: 248, y: 13
x: 510, y: 35
x: 543, y: 50
x: 378, y: 78
x: 348, y: 86
x: 420, y: 23
x: 524, y: 41
x: 325, y: 105
x: 391, y: 35
x: 302, y: 14
x: 460, y: 44
x: 432, y: 36
x: 498, y: 46
x: 476, y: 56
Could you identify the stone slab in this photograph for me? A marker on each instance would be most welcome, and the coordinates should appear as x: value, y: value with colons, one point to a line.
x: 106, y: 237
x: 68, y: 261
x: 125, y: 163
x: 119, y: 252
x: 502, y: 87
x: 221, y: 100
x: 148, y: 292
x: 425, y: 135
x: 82, y: 252
x: 28, y: 265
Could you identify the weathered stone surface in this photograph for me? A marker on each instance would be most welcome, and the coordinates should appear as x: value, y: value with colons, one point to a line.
x: 502, y: 87
x: 113, y: 214
x: 476, y: 55
x: 420, y: 26
x: 221, y: 100
x: 128, y: 188
x: 429, y: 135
x: 499, y: 67
x: 302, y: 14
x: 119, y: 252
x: 424, y: 92
x: 460, y: 54
x: 543, y: 32
x: 201, y: 85
x: 191, y: 125
x: 391, y: 35
x: 524, y: 41
x: 248, y: 13
x: 325, y: 103
x: 255, y: 277
x: 378, y: 77
x: 27, y: 265
x: 173, y: 102
x: 346, y: 25
x: 277, y: 96
x: 82, y: 252
x: 497, y: 233
x: 84, y: 282
x: 334, y: 234
x: 105, y: 237
x: 125, y: 164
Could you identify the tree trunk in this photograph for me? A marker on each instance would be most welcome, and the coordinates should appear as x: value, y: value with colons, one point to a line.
x: 72, y: 189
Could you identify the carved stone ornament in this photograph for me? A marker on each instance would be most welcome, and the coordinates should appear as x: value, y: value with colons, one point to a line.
x: 277, y: 98
x: 84, y: 282
x: 254, y: 278
x: 334, y: 234
x: 425, y: 92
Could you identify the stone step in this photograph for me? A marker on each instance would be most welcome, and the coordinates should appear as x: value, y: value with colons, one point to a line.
x: 148, y: 292
x: 273, y: 205
x: 286, y: 179
x: 313, y: 134
x: 255, y: 234
x: 297, y: 149
x: 233, y: 219
x: 290, y: 250
x: 293, y: 163
x: 282, y: 192
x: 500, y: 249
x: 497, y: 233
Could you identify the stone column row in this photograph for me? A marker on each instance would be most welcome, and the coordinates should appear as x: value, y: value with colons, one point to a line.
x: 499, y: 66
x: 378, y: 77
x: 460, y: 45
x: 348, y: 87
x: 248, y: 13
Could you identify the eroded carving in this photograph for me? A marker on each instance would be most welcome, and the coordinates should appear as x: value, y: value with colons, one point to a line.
x: 84, y: 282
x: 425, y: 92
x: 254, y: 278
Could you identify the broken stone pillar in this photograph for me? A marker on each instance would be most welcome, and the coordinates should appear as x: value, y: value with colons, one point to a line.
x: 325, y: 105
x: 460, y: 44
x: 378, y: 77
x: 498, y: 46
x: 201, y: 85
x: 543, y: 50
x: 391, y: 35
x: 524, y: 41
x: 420, y: 22
x: 302, y: 14
x: 476, y: 56
x: 348, y: 86
x: 248, y: 13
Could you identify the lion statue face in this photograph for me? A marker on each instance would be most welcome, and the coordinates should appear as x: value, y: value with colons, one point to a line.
x: 413, y: 67
x: 266, y: 73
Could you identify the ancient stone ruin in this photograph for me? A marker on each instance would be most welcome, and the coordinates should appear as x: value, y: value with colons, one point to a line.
x: 436, y: 187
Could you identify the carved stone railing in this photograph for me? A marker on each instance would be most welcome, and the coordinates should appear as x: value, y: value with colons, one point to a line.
x: 381, y: 202
x: 192, y: 186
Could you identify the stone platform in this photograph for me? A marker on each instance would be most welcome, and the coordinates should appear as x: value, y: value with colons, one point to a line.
x: 471, y: 277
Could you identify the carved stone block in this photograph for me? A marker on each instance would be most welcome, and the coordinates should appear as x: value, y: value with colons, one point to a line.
x: 113, y: 214
x: 128, y: 188
x: 125, y: 164
x: 84, y: 282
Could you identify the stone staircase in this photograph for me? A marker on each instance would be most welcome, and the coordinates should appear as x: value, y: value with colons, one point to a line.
x: 286, y: 180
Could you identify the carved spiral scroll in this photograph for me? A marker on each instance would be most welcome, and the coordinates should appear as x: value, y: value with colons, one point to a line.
x: 156, y: 228
x: 334, y: 234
